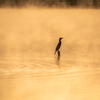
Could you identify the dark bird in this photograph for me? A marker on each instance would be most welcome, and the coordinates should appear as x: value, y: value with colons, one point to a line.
x: 58, y: 46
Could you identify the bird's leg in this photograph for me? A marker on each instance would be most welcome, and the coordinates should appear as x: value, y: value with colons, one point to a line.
x: 58, y: 55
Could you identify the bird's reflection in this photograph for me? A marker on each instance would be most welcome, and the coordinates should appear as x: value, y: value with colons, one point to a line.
x: 58, y: 58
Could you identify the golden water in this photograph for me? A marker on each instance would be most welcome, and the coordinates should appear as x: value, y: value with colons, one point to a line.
x: 29, y: 70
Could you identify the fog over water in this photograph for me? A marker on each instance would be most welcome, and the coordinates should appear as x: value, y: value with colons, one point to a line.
x: 29, y: 70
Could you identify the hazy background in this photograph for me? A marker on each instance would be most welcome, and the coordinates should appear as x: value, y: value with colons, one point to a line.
x: 34, y: 31
x: 29, y: 33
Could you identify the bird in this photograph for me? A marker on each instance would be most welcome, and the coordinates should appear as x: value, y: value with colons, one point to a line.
x: 58, y: 45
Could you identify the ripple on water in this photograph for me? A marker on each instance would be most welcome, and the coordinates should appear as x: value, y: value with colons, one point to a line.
x: 43, y: 67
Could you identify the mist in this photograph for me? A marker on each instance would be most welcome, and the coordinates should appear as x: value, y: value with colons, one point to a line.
x: 29, y: 34
x: 38, y: 30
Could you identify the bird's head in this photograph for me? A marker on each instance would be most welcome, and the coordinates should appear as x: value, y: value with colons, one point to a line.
x: 60, y: 39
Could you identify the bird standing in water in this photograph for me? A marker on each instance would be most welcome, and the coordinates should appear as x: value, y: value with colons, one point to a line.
x: 58, y: 46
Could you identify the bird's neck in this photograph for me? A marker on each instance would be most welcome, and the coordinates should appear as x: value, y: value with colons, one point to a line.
x: 59, y: 41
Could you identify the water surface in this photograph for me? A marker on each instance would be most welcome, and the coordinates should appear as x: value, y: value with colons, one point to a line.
x: 29, y: 70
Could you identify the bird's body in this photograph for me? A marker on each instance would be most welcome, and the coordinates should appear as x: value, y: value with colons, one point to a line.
x: 58, y: 46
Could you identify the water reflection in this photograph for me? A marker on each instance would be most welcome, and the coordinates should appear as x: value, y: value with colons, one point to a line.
x: 57, y: 59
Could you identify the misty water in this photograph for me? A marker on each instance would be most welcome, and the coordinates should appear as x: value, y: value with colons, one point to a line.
x: 29, y: 70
